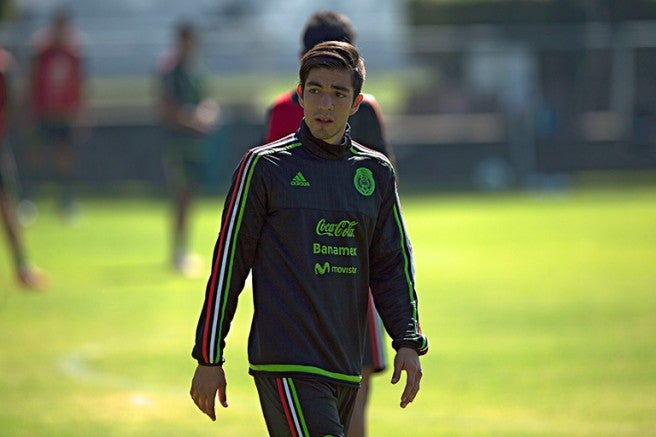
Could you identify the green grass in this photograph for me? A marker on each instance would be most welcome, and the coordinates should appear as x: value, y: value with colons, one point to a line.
x: 390, y: 88
x: 540, y: 310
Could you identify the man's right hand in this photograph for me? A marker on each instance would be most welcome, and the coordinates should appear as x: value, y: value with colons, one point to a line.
x: 207, y: 381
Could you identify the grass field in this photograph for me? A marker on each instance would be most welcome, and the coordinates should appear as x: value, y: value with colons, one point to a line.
x: 540, y: 309
x: 390, y: 88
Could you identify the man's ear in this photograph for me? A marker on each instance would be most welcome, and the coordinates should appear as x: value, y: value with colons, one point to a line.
x: 299, y: 92
x: 356, y: 103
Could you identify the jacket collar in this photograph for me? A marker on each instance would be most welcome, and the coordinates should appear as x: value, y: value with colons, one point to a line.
x: 321, y: 148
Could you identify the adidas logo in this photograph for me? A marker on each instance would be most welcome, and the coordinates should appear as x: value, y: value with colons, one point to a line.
x: 299, y: 181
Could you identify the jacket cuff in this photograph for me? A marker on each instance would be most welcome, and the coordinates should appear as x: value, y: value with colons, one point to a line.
x: 198, y: 357
x: 420, y: 345
x: 200, y: 363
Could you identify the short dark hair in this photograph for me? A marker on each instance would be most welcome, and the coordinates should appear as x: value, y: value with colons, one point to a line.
x: 62, y: 15
x: 327, y: 25
x: 335, y: 55
x: 185, y: 29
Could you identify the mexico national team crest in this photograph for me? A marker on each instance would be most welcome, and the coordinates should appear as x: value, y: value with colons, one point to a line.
x: 364, y: 181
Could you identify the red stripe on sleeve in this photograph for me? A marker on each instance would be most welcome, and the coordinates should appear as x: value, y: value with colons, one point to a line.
x: 219, y: 251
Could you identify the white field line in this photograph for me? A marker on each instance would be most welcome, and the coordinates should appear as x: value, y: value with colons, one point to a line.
x: 77, y: 365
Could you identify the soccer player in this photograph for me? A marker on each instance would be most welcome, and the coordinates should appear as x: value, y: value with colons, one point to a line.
x: 188, y: 115
x: 283, y: 118
x: 26, y: 275
x: 315, y: 218
x: 367, y: 127
x: 56, y: 92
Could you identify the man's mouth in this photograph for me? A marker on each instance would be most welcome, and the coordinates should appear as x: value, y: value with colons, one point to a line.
x: 323, y: 120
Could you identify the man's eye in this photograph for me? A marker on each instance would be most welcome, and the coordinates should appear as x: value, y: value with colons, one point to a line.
x: 313, y: 91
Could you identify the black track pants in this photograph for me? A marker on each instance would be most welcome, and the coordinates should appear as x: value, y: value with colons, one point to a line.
x: 305, y: 406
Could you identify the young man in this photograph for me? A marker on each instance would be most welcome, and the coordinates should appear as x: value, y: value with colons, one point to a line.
x: 26, y: 275
x: 286, y: 113
x: 283, y: 118
x: 188, y: 115
x: 316, y: 218
x: 56, y: 95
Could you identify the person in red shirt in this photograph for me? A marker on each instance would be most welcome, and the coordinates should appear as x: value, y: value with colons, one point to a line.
x: 366, y: 128
x: 56, y: 93
x: 27, y: 275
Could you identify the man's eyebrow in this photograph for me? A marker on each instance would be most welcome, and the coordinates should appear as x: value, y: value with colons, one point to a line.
x: 342, y: 88
x: 335, y: 87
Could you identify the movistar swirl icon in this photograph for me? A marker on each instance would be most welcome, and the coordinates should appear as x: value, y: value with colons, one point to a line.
x: 321, y: 269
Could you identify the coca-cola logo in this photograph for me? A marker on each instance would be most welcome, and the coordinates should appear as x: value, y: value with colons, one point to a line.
x: 343, y: 229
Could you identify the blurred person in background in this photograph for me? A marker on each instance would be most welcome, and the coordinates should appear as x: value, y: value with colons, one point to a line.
x: 315, y: 218
x: 56, y: 97
x: 27, y: 275
x: 284, y: 117
x: 188, y: 115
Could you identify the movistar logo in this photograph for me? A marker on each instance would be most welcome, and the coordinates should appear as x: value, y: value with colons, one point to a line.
x: 299, y: 181
x: 322, y: 269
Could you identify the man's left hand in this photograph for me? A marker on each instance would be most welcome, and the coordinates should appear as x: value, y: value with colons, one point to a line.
x: 407, y: 359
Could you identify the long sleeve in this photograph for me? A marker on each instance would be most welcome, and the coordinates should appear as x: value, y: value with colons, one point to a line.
x: 318, y: 225
x: 392, y: 276
x: 234, y: 251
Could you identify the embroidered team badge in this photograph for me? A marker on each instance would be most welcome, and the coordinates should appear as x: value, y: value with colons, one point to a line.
x: 364, y: 181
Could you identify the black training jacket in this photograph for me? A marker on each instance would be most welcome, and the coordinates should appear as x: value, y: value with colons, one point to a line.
x: 317, y: 224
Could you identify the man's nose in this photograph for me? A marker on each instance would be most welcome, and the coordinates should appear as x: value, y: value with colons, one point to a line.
x: 326, y: 101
